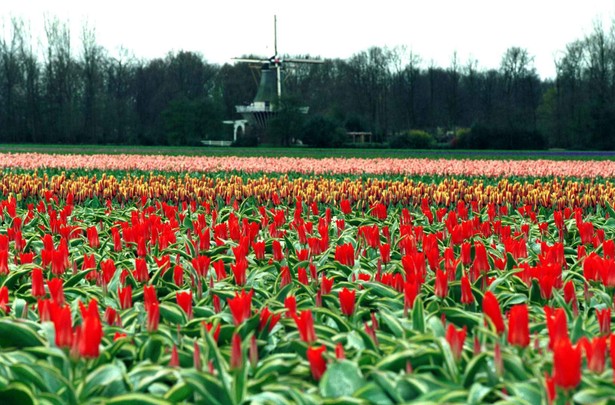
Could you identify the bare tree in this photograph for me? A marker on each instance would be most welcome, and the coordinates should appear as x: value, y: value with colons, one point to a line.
x: 61, y: 83
x: 11, y: 80
x: 92, y: 68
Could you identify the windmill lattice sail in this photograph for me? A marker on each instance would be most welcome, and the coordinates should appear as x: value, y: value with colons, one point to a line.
x: 264, y: 106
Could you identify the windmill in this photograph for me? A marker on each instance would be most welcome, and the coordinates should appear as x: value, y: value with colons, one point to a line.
x: 269, y: 91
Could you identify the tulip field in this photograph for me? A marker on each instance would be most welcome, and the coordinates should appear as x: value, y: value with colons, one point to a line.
x: 131, y: 279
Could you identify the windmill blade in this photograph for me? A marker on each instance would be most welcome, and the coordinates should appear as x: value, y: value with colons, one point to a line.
x: 304, y: 60
x: 250, y: 60
x: 275, y: 34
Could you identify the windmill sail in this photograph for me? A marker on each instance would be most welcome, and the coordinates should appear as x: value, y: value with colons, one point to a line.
x: 260, y: 111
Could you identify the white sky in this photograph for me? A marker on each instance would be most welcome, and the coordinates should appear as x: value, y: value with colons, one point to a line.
x: 222, y: 29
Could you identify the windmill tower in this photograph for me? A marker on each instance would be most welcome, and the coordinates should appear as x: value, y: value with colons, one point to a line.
x: 265, y: 103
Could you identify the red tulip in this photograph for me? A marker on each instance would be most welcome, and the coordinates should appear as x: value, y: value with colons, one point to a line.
x: 290, y: 303
x: 107, y: 268
x: 125, y: 297
x: 466, y: 257
x: 379, y: 211
x: 303, y: 254
x: 450, y: 263
x: 608, y: 249
x: 591, y: 264
x: 219, y: 269
x: 239, y: 271
x: 612, y: 350
x: 253, y: 351
x: 518, y: 326
x: 63, y: 323
x: 550, y: 386
x: 91, y: 332
x: 110, y: 316
x: 556, y: 325
x: 371, y: 332
x: 339, y: 351
x: 92, y: 234
x: 466, y: 291
x: 178, y: 275
x: 268, y: 319
x: 4, y: 262
x: 26, y: 258
x: 259, y: 250
x: 340, y: 224
x: 163, y: 263
x: 302, y: 276
x: 278, y: 256
x: 344, y: 254
x: 480, y: 264
x: 318, y: 366
x: 184, y: 300
x: 201, y: 265
x: 345, y: 207
x: 347, y: 301
x: 44, y: 309
x: 441, y: 284
x: 285, y: 277
x: 241, y: 306
x: 216, y: 333
x: 456, y: 338
x: 595, y: 352
x: 141, y: 273
x: 305, y: 325
x: 385, y: 253
x: 586, y: 232
x: 491, y: 308
x: 149, y: 295
x: 56, y: 291
x: 325, y: 284
x: 236, y: 352
x: 569, y: 292
x: 89, y: 263
x: 566, y: 364
x: 604, y: 320
x: 546, y: 282
x: 38, y: 286
x: 411, y: 290
x: 117, y: 239
x: 174, y: 361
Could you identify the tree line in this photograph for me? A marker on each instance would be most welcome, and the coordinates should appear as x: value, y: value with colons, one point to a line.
x: 62, y: 92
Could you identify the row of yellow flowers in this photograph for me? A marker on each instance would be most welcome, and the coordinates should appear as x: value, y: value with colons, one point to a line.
x: 553, y: 193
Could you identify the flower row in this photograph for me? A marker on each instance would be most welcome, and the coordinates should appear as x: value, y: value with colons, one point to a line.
x: 420, y: 167
x: 242, y: 301
x: 555, y: 193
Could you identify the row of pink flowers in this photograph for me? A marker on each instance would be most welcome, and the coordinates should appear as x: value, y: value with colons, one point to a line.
x: 465, y: 167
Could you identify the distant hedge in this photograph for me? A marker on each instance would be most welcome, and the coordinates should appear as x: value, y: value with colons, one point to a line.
x: 482, y: 137
x: 413, y: 139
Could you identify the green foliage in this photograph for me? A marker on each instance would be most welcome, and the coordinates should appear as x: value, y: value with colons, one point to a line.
x: 286, y: 125
x: 355, y: 123
x: 187, y: 122
x: 484, y: 137
x: 341, y: 379
x: 407, y: 359
x: 323, y: 132
x: 97, y: 98
x: 413, y: 139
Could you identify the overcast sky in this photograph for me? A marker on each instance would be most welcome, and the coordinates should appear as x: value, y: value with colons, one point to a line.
x: 221, y: 29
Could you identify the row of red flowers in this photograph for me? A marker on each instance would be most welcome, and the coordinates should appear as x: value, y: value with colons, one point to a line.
x: 320, y: 282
